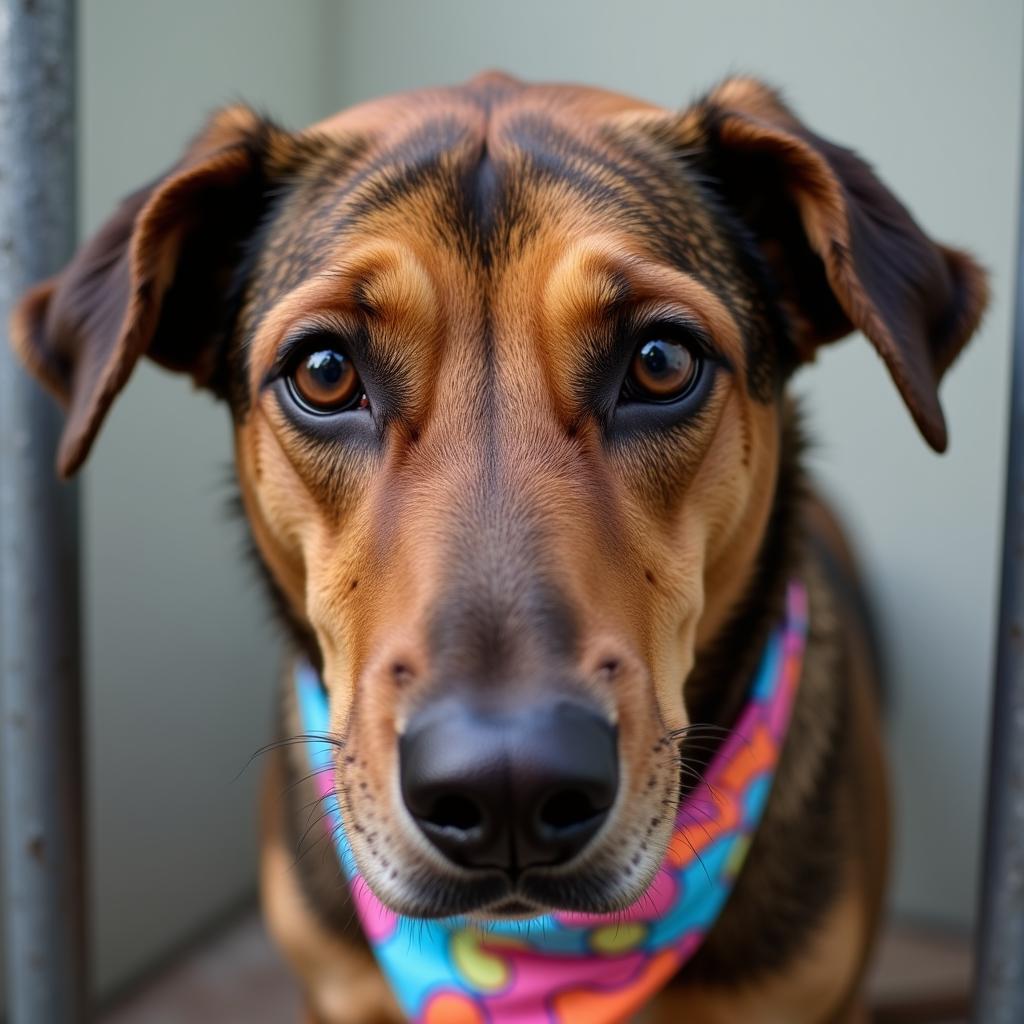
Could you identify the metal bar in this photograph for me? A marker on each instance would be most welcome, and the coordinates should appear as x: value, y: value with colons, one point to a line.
x: 40, y: 744
x: 999, y: 985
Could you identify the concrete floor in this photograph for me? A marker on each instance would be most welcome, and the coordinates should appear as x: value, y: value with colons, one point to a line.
x: 237, y: 977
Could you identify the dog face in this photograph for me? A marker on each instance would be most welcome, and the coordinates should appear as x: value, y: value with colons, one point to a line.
x: 506, y: 365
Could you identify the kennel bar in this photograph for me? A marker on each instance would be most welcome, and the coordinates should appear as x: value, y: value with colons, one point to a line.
x: 999, y: 978
x: 40, y: 723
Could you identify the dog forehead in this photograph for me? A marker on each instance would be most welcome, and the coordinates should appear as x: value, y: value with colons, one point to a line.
x: 485, y: 93
x: 479, y: 172
x: 482, y: 150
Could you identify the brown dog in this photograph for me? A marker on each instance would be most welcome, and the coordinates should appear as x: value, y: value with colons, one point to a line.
x: 507, y: 369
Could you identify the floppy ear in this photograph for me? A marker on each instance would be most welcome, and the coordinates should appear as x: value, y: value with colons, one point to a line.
x: 845, y: 252
x: 152, y: 280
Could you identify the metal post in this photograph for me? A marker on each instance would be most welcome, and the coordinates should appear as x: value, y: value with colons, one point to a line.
x: 40, y: 748
x: 999, y: 986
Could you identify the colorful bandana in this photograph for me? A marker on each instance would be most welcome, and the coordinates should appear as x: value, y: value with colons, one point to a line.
x: 568, y: 968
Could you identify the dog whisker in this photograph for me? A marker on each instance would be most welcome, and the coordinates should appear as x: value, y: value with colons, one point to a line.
x: 300, y: 845
x: 705, y: 731
x: 290, y: 741
x: 311, y: 808
x: 308, y: 777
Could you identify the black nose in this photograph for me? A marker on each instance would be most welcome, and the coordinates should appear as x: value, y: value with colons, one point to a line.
x: 509, y: 791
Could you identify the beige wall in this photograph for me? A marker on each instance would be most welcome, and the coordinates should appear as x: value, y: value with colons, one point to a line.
x: 180, y: 653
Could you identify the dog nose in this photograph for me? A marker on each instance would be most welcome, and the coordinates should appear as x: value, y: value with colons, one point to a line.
x: 509, y: 791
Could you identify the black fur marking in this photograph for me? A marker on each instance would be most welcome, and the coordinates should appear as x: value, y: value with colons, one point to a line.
x: 404, y: 168
x: 482, y: 195
x: 232, y: 377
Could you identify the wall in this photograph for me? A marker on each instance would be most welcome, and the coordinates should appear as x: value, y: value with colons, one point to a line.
x: 929, y: 91
x: 181, y: 653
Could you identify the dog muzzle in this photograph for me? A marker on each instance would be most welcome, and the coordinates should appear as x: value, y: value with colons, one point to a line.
x: 569, y: 968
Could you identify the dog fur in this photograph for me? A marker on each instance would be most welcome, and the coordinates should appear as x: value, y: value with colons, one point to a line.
x: 488, y: 251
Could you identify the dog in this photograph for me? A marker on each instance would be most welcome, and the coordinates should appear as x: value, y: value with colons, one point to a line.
x: 507, y: 370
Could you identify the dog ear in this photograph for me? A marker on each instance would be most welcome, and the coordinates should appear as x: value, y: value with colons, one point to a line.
x: 152, y: 280
x: 844, y: 250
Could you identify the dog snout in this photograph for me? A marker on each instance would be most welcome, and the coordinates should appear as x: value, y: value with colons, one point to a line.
x: 509, y: 791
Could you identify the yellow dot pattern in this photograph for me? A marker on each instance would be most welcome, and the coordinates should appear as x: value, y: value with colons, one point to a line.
x: 617, y: 938
x: 478, y: 968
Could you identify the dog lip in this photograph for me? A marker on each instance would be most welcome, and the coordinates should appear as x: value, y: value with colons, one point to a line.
x: 493, y: 895
x: 510, y: 908
x: 579, y: 894
x: 473, y: 896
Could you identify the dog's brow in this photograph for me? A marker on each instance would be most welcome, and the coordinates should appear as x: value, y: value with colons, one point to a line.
x: 584, y: 290
x: 382, y: 286
x: 597, y: 283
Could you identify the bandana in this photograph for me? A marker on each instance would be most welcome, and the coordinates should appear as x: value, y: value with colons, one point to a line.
x: 570, y: 968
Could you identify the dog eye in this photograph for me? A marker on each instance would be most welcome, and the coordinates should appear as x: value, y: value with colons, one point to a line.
x: 324, y: 380
x: 664, y: 368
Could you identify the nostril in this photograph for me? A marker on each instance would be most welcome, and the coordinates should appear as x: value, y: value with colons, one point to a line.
x: 452, y: 811
x: 568, y: 808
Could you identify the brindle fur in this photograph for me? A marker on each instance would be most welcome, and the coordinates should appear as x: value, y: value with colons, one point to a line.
x: 487, y: 252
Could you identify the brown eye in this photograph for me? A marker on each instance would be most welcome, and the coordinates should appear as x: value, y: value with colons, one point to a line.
x: 663, y: 369
x: 326, y: 381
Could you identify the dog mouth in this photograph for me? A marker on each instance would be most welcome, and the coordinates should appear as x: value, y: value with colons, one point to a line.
x: 493, y: 904
x: 513, y: 909
x: 494, y: 896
